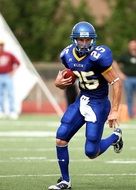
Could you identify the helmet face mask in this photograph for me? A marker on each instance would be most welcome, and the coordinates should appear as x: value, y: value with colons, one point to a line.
x: 83, y: 30
x: 83, y: 47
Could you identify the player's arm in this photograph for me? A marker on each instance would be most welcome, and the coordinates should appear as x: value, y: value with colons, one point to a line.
x: 62, y: 82
x: 117, y: 68
x: 113, y: 79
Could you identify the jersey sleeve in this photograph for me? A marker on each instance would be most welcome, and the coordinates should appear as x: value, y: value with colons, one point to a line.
x: 105, y: 60
x: 63, y: 58
x: 65, y: 55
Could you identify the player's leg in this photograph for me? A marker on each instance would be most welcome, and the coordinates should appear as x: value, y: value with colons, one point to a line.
x: 69, y: 126
x: 10, y: 91
x: 114, y: 139
x: 11, y: 98
x: 94, y: 145
x: 3, y: 88
x: 94, y: 130
x: 93, y: 137
x: 1, y: 94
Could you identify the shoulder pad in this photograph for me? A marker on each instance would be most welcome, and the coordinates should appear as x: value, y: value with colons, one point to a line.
x: 66, y: 50
x: 102, y: 55
x: 100, y: 52
x: 102, y: 48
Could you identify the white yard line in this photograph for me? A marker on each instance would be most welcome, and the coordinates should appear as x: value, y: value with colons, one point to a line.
x: 26, y: 149
x: 30, y: 123
x: 121, y: 162
x: 31, y: 134
x: 133, y: 148
x: 55, y: 175
x: 27, y: 134
x: 34, y: 149
x: 45, y: 159
x: 49, y: 123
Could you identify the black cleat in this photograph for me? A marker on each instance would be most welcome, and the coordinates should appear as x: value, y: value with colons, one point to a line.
x: 59, y: 180
x: 118, y: 146
x: 62, y: 185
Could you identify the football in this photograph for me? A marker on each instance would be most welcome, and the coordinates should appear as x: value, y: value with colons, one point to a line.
x: 69, y: 73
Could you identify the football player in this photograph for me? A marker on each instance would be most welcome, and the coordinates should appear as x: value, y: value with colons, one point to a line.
x: 92, y: 65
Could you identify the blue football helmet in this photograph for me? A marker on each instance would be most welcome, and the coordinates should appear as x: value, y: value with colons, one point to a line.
x: 84, y: 30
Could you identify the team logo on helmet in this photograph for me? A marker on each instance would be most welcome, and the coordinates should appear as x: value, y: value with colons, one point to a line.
x: 84, y: 34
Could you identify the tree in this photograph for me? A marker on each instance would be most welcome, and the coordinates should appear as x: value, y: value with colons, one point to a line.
x: 120, y: 28
x: 42, y: 27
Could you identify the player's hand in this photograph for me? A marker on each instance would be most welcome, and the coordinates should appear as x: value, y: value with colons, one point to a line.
x: 62, y: 82
x: 113, y: 119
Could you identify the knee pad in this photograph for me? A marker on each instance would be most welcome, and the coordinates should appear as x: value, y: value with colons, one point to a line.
x: 62, y: 132
x: 93, y: 131
x: 92, y: 137
x: 92, y: 149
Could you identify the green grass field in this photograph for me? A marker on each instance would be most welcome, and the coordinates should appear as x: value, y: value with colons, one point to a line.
x: 28, y: 159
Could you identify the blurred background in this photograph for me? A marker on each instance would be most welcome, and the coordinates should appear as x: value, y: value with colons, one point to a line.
x: 36, y: 31
x: 43, y: 28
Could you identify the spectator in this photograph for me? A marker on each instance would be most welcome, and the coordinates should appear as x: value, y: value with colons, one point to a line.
x: 127, y: 64
x: 8, y: 65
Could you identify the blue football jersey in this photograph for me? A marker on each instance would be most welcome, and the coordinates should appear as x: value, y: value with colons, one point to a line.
x: 89, y: 69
